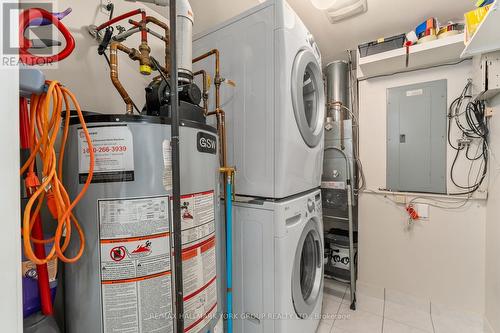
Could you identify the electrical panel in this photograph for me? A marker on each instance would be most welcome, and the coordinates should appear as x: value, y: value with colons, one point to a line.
x: 416, y: 137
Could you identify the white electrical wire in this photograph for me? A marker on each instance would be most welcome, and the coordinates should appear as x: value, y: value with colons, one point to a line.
x: 494, y: 157
x: 443, y: 203
x: 351, y: 114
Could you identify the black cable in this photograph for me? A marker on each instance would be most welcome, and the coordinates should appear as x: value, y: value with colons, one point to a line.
x: 136, y: 108
x: 450, y: 117
x: 453, y: 168
x: 478, y: 183
x: 472, y: 158
x: 158, y: 67
x: 111, y: 8
x: 107, y: 59
x: 474, y: 128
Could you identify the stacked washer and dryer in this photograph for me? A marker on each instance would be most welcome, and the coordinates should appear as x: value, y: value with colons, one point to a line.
x: 274, y: 117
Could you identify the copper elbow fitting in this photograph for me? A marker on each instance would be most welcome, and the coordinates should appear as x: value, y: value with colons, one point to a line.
x: 115, y: 46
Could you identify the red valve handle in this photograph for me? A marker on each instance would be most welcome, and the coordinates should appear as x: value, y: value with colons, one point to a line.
x: 30, y: 59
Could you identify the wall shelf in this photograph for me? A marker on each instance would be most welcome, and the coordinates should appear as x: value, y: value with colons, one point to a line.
x: 438, y: 52
x: 486, y: 37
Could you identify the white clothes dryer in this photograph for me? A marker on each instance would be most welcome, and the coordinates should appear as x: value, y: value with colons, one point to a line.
x: 275, y: 112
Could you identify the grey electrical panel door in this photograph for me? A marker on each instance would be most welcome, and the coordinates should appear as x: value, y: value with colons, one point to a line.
x: 416, y: 137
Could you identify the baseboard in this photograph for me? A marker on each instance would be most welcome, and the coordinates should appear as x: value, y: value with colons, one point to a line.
x: 487, y: 326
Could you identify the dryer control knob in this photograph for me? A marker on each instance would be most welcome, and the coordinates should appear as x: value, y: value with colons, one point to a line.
x: 310, y: 205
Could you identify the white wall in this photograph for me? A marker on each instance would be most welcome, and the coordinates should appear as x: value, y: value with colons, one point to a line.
x: 211, y: 13
x: 87, y: 74
x: 442, y: 259
x: 10, y: 238
x: 493, y: 226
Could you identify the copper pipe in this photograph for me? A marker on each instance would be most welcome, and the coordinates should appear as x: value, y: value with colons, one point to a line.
x: 204, y: 75
x: 113, y: 60
x: 217, y: 79
x: 137, y: 28
x: 218, y: 111
x: 166, y: 38
x: 220, y: 114
x: 221, y: 118
x: 164, y: 26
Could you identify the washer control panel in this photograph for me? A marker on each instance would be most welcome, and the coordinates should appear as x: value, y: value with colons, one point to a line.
x: 311, y: 205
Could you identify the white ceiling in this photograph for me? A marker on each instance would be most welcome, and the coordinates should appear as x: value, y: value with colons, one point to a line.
x: 212, y: 12
x: 384, y: 18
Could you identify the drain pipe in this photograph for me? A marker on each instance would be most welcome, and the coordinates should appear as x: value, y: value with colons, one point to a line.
x: 352, y: 266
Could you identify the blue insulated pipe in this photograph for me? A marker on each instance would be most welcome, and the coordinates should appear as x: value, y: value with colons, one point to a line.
x: 229, y: 252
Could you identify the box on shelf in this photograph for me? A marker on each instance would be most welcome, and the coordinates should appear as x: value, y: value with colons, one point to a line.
x: 382, y: 45
x: 473, y: 19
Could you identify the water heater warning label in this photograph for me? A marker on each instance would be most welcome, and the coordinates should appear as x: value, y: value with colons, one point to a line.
x: 113, y: 154
x: 135, y: 265
x: 199, y: 259
x: 197, y: 216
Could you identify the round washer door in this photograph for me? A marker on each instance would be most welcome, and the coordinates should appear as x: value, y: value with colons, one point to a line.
x: 308, y: 97
x: 307, y: 276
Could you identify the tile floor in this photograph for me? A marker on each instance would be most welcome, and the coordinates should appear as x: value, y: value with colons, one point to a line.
x: 392, y: 313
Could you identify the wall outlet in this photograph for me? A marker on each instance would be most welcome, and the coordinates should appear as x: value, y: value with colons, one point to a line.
x: 422, y: 210
x: 464, y: 142
x: 488, y: 112
x: 400, y: 199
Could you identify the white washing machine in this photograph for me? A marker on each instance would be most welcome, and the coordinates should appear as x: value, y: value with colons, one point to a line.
x: 275, y: 112
x: 278, y: 264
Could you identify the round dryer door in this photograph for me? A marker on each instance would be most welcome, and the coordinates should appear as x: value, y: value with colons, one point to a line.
x: 307, y: 276
x: 308, y: 97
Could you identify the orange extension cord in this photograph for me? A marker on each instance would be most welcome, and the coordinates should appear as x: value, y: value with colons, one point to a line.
x: 45, y: 124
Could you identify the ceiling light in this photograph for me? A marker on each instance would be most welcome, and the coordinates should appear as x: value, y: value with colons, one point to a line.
x: 338, y: 10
